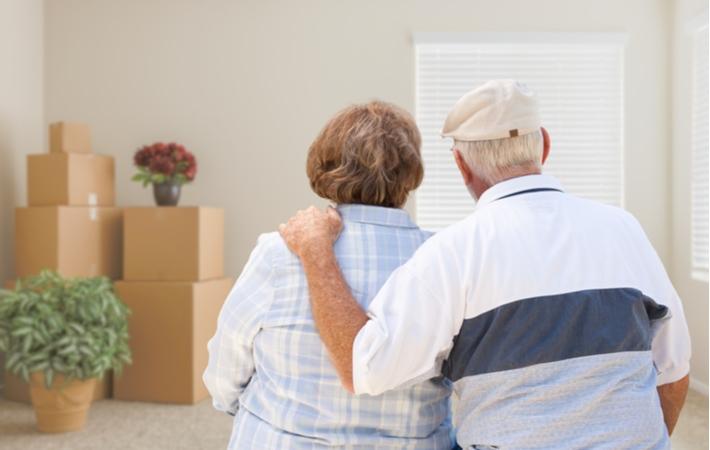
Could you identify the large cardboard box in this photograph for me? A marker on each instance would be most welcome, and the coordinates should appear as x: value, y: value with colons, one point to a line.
x: 70, y: 179
x: 173, y: 244
x: 169, y: 326
x: 17, y: 390
x: 73, y: 240
x: 69, y: 137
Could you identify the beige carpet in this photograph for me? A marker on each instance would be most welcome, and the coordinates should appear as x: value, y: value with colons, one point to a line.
x: 130, y: 425
x: 691, y: 433
x: 114, y: 424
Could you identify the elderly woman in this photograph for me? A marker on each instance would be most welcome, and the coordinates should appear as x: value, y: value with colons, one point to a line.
x: 267, y: 365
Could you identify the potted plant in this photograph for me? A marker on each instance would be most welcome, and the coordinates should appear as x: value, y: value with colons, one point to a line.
x: 60, y: 335
x: 167, y: 167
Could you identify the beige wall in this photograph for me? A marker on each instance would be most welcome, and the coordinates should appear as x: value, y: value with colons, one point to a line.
x: 21, y: 112
x: 693, y: 292
x: 248, y: 84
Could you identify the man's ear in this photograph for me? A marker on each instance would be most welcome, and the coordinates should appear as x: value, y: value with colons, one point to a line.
x: 463, y: 168
x: 545, y: 144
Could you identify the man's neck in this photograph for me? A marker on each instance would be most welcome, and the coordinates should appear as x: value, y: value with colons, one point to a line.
x: 515, y: 172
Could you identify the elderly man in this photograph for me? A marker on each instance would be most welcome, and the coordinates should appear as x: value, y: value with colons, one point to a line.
x: 552, y: 315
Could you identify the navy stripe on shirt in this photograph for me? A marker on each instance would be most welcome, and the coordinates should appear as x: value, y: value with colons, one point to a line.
x: 553, y: 328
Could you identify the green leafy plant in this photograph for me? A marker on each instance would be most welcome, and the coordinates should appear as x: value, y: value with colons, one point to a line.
x: 76, y: 327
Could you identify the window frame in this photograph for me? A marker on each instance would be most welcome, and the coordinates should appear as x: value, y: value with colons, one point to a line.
x: 617, y: 39
x: 696, y: 26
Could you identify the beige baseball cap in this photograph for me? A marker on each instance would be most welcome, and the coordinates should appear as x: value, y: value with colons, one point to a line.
x: 497, y: 109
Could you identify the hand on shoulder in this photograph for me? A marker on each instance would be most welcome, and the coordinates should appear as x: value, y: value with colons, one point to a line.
x: 310, y: 232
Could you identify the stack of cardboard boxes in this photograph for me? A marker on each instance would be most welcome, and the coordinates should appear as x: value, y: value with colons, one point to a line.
x: 174, y: 284
x: 71, y: 225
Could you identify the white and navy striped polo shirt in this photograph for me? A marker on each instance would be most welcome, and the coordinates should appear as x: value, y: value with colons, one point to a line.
x: 552, y: 315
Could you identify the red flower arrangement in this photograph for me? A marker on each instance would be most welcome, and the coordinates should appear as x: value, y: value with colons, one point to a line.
x: 161, y: 163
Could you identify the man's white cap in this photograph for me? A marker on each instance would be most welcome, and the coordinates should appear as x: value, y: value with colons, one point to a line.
x: 498, y: 109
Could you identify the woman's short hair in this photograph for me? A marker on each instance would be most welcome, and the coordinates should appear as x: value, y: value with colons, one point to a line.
x: 367, y: 154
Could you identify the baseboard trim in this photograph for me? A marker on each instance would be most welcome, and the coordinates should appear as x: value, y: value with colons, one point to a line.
x: 698, y: 386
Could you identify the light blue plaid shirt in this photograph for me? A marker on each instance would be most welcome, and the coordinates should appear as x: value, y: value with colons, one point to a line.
x: 268, y: 366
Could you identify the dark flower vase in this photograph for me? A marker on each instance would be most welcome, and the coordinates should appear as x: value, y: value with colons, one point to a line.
x: 166, y: 194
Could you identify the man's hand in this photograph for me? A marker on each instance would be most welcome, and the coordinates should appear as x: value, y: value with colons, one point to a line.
x: 311, y: 230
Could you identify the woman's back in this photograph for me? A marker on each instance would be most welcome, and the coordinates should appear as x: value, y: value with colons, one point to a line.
x: 295, y: 399
x: 267, y: 364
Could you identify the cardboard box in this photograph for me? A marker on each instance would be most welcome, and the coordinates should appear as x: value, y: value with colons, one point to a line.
x: 73, y: 240
x: 173, y: 244
x: 17, y: 390
x: 169, y: 326
x: 67, y: 137
x: 56, y: 179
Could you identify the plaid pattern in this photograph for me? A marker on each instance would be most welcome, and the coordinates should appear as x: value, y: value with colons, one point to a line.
x: 268, y: 367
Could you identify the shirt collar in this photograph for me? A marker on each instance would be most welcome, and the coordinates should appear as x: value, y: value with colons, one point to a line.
x: 377, y: 215
x: 518, y: 184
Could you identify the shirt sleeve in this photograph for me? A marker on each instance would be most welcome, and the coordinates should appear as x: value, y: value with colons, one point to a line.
x: 671, y: 340
x: 231, y: 364
x: 413, y: 320
x: 671, y: 343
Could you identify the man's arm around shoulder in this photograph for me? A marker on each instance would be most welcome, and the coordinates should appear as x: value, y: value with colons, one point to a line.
x: 338, y: 317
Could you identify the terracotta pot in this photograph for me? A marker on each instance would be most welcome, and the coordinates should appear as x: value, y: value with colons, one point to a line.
x: 63, y: 407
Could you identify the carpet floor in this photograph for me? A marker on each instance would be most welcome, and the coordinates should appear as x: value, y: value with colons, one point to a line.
x: 121, y: 425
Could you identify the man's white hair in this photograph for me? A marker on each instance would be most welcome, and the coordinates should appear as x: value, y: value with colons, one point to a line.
x: 496, y: 160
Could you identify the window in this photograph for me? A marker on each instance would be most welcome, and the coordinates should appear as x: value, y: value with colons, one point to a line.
x: 699, y: 162
x: 579, y: 82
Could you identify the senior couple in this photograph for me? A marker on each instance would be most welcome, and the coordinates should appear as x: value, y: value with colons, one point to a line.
x: 551, y: 317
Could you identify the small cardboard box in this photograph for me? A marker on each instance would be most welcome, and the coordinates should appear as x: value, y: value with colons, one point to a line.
x: 173, y: 244
x: 169, y: 326
x: 76, y: 241
x: 69, y: 137
x: 56, y: 179
x: 17, y: 390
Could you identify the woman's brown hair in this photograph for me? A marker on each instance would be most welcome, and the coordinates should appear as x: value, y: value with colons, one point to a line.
x: 367, y: 154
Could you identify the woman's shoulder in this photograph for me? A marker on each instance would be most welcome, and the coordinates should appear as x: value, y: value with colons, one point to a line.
x: 273, y: 247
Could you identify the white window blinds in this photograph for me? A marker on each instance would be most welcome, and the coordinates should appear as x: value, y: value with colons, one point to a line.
x: 579, y: 81
x: 699, y: 164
